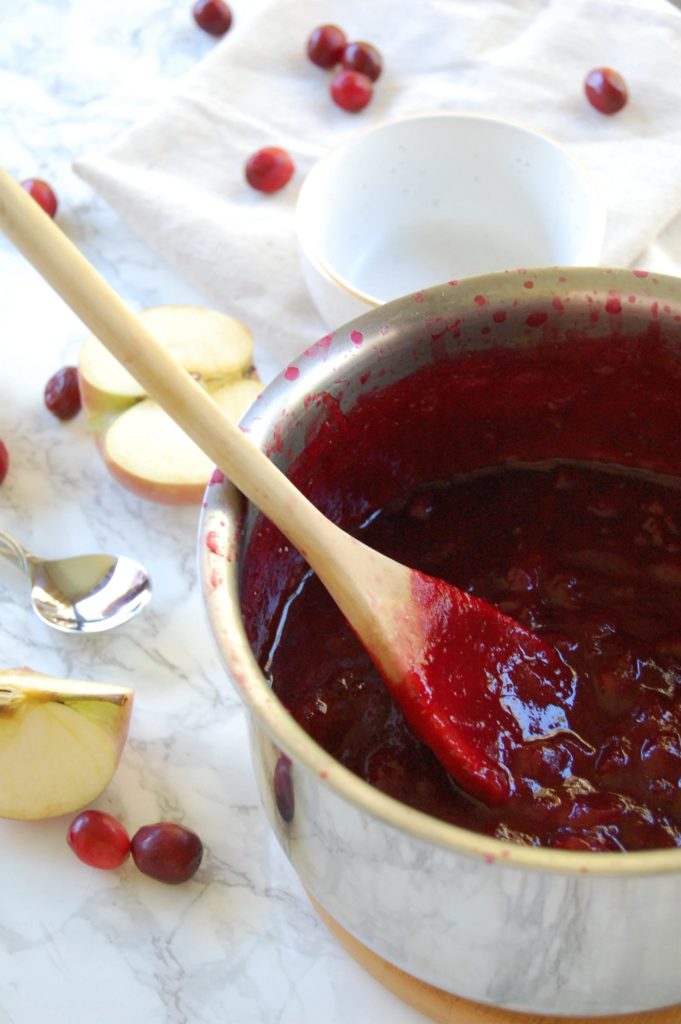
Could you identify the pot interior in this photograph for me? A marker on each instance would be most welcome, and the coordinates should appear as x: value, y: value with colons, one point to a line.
x: 444, y: 385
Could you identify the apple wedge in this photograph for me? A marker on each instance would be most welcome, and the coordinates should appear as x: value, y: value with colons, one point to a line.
x: 60, y: 742
x: 142, y: 448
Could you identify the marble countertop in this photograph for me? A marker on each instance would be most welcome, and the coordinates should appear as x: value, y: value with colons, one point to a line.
x: 240, y: 943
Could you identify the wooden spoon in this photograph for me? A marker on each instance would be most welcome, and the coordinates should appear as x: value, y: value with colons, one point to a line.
x: 468, y: 679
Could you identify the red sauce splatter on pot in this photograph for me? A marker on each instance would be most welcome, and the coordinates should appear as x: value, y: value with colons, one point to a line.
x: 537, y: 319
x: 320, y: 347
x: 213, y: 542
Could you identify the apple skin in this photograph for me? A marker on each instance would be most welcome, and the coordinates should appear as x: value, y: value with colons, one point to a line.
x: 100, y: 408
x: 221, y: 357
x: 143, y: 468
x: 162, y: 493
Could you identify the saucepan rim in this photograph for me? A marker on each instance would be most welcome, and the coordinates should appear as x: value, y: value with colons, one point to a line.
x: 221, y: 522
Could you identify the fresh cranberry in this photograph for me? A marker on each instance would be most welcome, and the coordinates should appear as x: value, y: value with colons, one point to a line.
x: 4, y: 461
x: 213, y: 16
x: 606, y: 90
x: 98, y: 839
x: 269, y: 169
x: 325, y: 45
x: 351, y: 90
x: 167, y: 852
x: 62, y: 394
x: 42, y: 193
x: 363, y: 57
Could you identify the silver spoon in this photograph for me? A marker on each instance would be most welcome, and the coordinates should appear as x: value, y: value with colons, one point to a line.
x: 82, y: 594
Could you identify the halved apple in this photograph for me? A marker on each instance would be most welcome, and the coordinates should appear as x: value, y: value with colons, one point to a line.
x: 60, y: 742
x: 142, y: 447
x: 150, y: 455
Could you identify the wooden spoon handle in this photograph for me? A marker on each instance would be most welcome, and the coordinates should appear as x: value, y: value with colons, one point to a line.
x: 68, y: 272
x: 367, y: 587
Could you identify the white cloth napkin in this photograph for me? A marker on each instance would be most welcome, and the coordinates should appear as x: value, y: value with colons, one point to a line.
x: 177, y: 176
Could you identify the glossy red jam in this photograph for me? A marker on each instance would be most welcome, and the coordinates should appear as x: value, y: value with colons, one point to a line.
x: 591, y: 561
x: 558, y: 500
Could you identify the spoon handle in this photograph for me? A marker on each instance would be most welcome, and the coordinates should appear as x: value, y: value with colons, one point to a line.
x: 13, y: 551
x: 108, y: 317
x: 334, y: 555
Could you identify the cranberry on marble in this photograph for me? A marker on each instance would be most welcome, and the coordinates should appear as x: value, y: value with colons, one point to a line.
x: 167, y: 852
x: 42, y: 193
x: 62, y: 393
x: 98, y: 839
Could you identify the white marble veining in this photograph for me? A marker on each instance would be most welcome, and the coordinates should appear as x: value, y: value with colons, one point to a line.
x: 240, y: 943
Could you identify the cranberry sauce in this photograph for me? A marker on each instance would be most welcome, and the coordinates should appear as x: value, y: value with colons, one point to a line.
x: 559, y: 501
x: 590, y: 560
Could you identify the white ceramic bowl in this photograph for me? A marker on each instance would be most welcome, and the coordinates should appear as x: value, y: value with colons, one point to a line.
x: 414, y: 202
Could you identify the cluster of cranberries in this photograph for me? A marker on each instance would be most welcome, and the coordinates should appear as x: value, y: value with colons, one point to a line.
x: 360, y: 66
x: 269, y: 169
x: 165, y: 851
